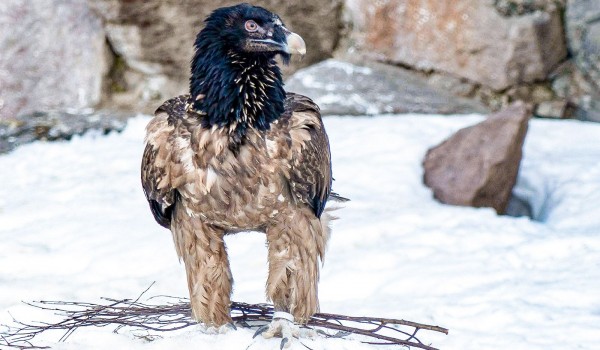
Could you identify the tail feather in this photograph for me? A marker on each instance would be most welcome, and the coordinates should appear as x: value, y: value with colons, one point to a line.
x: 337, y: 198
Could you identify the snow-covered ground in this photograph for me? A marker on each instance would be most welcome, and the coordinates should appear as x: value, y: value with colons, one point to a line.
x: 74, y: 225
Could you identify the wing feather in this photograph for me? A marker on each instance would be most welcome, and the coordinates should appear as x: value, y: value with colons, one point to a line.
x: 310, y: 176
x: 159, y: 173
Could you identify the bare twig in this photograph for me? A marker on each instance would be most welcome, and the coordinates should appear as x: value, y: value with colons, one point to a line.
x: 174, y: 314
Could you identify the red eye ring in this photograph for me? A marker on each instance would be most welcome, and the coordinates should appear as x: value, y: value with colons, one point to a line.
x: 251, y: 26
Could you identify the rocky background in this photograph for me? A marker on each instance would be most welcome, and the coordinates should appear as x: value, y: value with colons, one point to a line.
x: 132, y: 54
x: 67, y: 66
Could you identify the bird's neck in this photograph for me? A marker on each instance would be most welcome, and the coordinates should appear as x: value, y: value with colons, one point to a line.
x: 236, y: 92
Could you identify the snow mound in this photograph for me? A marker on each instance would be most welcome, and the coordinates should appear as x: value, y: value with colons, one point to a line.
x: 74, y: 225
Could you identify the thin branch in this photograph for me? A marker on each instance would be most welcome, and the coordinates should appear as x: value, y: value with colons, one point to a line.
x: 175, y: 315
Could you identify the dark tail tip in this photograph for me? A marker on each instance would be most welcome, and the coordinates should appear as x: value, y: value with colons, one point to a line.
x: 336, y: 197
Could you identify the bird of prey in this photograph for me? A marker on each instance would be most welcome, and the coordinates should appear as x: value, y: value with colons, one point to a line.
x: 238, y: 153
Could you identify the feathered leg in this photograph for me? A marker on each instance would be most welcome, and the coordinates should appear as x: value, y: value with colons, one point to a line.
x: 209, y: 278
x: 296, y: 244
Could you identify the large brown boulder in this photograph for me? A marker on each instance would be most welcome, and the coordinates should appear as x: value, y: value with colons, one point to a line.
x: 154, y: 38
x: 472, y: 39
x: 478, y: 165
x: 53, y: 55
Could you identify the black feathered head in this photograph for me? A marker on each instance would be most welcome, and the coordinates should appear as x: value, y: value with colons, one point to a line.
x: 235, y: 80
x: 251, y: 31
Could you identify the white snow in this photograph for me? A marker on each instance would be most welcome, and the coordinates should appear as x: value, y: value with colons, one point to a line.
x: 74, y: 225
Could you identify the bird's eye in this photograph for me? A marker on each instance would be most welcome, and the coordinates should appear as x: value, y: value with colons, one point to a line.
x: 251, y: 26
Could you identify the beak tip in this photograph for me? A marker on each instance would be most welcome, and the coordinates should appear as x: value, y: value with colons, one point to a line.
x: 296, y: 44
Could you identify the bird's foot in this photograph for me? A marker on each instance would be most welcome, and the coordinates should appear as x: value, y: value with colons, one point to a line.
x: 283, y: 326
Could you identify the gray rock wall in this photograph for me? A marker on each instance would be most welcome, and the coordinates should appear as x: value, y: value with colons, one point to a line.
x: 133, y: 54
x: 53, y: 54
x: 127, y: 54
x: 581, y: 83
x: 153, y: 39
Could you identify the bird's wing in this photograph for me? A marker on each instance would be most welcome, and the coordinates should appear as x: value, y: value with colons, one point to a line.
x: 161, y: 167
x: 310, y: 175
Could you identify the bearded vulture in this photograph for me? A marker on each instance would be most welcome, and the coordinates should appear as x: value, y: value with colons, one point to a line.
x: 240, y: 154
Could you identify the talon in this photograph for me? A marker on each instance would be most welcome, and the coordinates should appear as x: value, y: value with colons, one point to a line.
x: 224, y: 329
x: 260, y: 331
x: 285, y: 343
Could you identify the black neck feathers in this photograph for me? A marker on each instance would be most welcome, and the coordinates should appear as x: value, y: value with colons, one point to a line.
x: 233, y: 90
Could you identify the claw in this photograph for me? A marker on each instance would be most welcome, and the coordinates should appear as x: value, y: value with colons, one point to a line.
x: 261, y: 330
x: 284, y: 343
x: 226, y: 328
x: 281, y: 327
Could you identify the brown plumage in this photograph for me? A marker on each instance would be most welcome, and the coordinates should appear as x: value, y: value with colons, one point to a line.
x: 208, y: 175
x: 267, y: 186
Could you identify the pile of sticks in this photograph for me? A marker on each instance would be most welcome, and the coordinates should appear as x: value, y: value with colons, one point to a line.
x: 174, y: 314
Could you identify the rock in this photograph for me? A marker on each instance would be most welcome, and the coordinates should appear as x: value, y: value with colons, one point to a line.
x: 478, y: 165
x: 53, y: 55
x: 583, y: 27
x: 466, y: 38
x: 344, y: 88
x: 522, y: 7
x: 154, y: 39
x: 50, y: 126
x: 555, y: 109
x: 589, y: 110
x: 454, y: 85
x: 581, y: 83
x: 571, y: 84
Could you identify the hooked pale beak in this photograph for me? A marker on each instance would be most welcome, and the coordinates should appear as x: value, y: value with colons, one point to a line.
x: 295, y: 44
